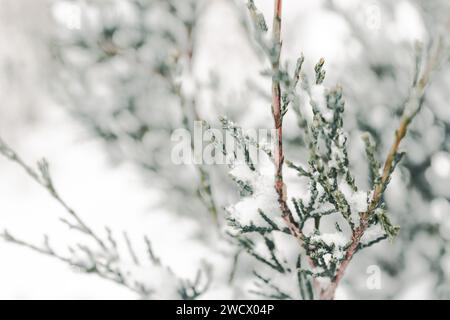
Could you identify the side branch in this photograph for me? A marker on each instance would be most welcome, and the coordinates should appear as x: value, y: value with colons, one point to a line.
x: 43, y: 178
x: 412, y: 107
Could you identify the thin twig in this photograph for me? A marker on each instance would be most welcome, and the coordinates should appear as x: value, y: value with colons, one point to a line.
x: 189, y: 106
x: 44, y: 179
x: 130, y: 248
x: 280, y: 186
x: 412, y: 107
x: 110, y: 274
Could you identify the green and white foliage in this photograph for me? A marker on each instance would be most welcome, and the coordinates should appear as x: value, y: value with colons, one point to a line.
x: 128, y: 75
x: 333, y: 198
x: 418, y: 198
x: 327, y: 206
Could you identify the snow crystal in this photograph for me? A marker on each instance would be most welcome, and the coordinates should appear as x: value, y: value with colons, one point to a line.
x: 319, y: 97
x: 264, y: 197
x: 336, y: 238
x: 327, y: 258
x: 243, y: 172
x: 305, y: 107
x: 373, y: 233
x: 356, y: 200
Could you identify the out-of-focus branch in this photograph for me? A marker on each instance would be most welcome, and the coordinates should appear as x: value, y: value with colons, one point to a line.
x: 189, y: 107
x: 42, y: 177
x: 104, y: 271
x: 103, y: 261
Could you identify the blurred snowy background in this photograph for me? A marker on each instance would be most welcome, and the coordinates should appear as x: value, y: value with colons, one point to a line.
x: 69, y: 69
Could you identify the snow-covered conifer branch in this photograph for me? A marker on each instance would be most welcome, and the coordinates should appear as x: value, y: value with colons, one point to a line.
x: 300, y: 209
x: 333, y: 195
x: 412, y: 107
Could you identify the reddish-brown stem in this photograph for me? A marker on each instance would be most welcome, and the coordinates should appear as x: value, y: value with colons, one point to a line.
x: 357, y: 234
x: 280, y: 187
x: 329, y: 292
x: 276, y: 111
x: 417, y: 95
